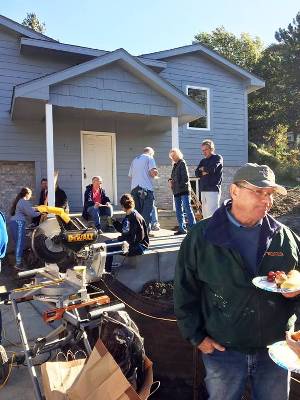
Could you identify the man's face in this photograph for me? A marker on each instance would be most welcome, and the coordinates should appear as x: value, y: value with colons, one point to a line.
x: 96, y: 183
x: 251, y: 201
x: 44, y: 185
x: 206, y: 150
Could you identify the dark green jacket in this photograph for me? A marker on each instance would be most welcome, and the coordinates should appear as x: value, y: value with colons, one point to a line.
x: 214, y: 295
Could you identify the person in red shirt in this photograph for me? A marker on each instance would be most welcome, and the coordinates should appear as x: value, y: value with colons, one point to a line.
x: 96, y: 203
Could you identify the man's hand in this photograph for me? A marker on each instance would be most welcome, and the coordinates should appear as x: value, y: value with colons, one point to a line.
x: 291, y: 295
x: 208, y: 345
x: 97, y: 205
x: 293, y: 344
x: 153, y: 172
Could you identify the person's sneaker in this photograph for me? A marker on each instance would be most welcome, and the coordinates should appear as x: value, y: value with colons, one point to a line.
x: 180, y: 233
x: 20, y: 267
x: 155, y: 227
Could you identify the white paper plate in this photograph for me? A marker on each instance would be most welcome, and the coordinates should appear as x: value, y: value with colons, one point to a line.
x: 283, y: 356
x: 262, y: 283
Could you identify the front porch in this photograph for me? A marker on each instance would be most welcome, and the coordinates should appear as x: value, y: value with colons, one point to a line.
x: 116, y: 103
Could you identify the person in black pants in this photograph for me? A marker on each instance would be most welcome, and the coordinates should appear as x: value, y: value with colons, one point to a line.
x: 133, y: 230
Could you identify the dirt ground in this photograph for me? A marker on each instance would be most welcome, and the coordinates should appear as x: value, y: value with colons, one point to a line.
x: 287, y: 209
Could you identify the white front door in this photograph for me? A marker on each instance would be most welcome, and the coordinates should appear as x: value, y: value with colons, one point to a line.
x: 98, y: 158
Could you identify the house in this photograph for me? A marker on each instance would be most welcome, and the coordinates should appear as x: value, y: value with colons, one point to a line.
x: 88, y: 112
x: 293, y: 139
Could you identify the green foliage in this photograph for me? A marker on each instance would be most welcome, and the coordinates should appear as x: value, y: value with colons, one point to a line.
x: 262, y: 156
x: 278, y: 104
x: 244, y: 51
x: 32, y: 21
x: 286, y: 172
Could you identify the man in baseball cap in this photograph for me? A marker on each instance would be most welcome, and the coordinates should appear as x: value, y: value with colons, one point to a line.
x: 260, y: 176
x: 218, y: 308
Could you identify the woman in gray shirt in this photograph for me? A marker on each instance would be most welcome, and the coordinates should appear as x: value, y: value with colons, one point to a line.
x: 20, y: 211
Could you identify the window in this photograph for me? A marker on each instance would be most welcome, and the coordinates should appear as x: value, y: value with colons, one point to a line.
x: 201, y: 95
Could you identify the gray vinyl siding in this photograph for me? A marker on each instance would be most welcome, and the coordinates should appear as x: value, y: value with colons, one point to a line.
x: 114, y: 89
x: 228, y: 108
x: 25, y: 140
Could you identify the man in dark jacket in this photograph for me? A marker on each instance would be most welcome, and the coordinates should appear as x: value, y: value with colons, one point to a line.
x: 210, y: 172
x: 218, y: 308
x: 96, y: 203
x: 61, y: 199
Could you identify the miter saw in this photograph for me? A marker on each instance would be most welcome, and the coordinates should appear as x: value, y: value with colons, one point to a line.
x: 60, y: 238
x: 64, y: 239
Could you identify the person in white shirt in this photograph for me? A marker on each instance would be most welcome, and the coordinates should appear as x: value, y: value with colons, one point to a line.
x: 142, y: 172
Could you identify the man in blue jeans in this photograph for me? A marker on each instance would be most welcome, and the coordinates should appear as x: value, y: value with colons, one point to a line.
x: 218, y: 308
x: 96, y: 203
x: 3, y: 247
x: 142, y: 171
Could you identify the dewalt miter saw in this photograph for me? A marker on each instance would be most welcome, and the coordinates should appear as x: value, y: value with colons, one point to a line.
x: 65, y: 239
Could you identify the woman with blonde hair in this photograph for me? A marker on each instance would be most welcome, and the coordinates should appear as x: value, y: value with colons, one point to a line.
x: 181, y: 188
x: 20, y: 211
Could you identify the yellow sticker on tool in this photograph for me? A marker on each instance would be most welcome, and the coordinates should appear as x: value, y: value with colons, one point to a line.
x: 80, y: 237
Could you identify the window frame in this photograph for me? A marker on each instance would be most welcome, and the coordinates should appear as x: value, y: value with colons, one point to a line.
x: 208, y: 107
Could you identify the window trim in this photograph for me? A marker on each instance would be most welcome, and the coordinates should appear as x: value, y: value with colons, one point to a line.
x: 208, y: 107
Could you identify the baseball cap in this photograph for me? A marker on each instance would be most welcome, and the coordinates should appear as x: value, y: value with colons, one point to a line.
x: 258, y: 175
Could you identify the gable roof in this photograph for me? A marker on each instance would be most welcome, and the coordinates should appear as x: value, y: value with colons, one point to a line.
x: 79, y: 50
x: 39, y: 88
x: 254, y: 81
x: 22, y: 30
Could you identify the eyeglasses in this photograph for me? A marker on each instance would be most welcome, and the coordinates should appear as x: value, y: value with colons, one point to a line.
x: 257, y: 192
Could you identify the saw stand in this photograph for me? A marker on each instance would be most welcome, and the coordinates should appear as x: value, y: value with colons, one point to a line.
x: 76, y: 308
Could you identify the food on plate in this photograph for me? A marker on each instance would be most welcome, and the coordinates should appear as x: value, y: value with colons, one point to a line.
x: 290, y: 280
x: 277, y: 276
x: 296, y: 336
x: 293, y: 341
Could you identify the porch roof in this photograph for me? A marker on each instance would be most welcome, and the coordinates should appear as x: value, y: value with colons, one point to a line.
x: 37, y: 92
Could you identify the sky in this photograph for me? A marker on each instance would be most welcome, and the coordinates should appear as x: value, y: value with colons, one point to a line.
x: 144, y: 26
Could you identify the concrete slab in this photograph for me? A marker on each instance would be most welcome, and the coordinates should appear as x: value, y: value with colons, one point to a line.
x: 156, y: 264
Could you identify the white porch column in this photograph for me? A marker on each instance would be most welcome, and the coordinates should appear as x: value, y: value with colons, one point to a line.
x: 50, y: 154
x: 175, y: 137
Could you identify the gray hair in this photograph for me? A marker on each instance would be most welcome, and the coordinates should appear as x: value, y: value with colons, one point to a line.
x: 209, y: 143
x: 148, y: 150
x: 97, y: 177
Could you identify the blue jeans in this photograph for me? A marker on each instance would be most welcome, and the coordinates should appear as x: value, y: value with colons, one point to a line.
x: 18, y: 233
x: 144, y: 201
x: 227, y: 373
x: 183, y: 204
x: 96, y: 213
x: 154, y: 215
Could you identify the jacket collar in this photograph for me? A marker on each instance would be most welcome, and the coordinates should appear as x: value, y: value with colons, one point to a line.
x: 217, y: 230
